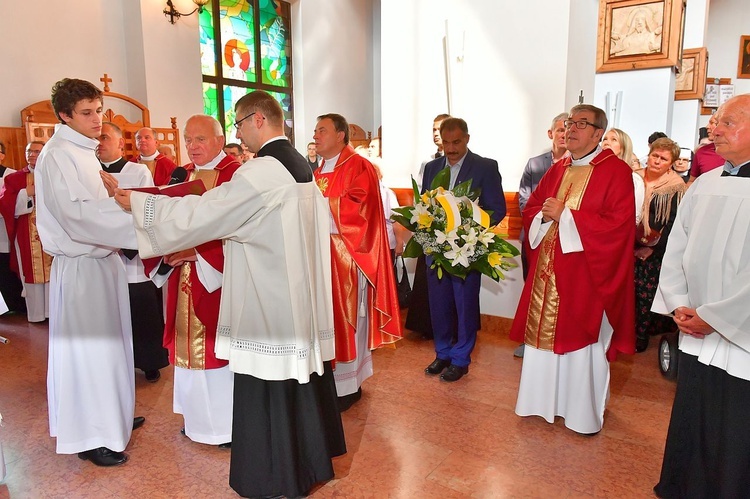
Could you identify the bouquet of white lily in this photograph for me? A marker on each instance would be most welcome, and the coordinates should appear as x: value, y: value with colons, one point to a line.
x: 450, y: 227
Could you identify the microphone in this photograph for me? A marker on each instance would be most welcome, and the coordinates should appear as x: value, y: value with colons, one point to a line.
x: 179, y: 175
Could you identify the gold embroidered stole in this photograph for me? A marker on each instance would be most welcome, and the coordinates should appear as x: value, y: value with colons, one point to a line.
x: 41, y: 262
x: 190, y: 333
x: 544, y: 301
x: 150, y: 164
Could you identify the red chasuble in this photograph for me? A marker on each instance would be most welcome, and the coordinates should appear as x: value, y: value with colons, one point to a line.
x: 160, y: 167
x: 35, y: 262
x: 353, y: 194
x: 565, y: 295
x: 192, y: 312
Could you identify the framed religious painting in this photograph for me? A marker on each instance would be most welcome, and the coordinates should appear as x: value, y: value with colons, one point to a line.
x: 639, y: 34
x: 690, y: 81
x: 743, y: 62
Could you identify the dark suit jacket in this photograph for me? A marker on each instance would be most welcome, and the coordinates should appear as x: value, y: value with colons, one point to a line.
x: 288, y: 156
x: 484, y: 174
x: 532, y: 174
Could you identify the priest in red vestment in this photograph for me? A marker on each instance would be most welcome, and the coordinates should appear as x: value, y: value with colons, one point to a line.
x: 365, y: 303
x: 202, y: 383
x: 157, y: 163
x: 577, y: 308
x: 27, y: 257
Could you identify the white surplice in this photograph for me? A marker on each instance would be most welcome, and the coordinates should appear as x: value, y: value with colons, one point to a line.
x: 349, y: 376
x: 134, y: 175
x: 707, y: 266
x: 90, y: 382
x: 276, y: 242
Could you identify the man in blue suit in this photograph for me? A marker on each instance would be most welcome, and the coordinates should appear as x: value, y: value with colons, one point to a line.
x: 454, y: 302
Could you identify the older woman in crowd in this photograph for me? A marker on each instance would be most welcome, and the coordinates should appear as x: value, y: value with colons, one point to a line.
x: 622, y: 146
x: 664, y: 190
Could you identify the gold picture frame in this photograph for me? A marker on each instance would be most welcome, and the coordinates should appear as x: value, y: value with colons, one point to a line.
x: 690, y: 82
x: 743, y: 61
x: 639, y: 34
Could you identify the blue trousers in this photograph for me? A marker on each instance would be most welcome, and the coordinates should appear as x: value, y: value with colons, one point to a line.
x: 454, y: 310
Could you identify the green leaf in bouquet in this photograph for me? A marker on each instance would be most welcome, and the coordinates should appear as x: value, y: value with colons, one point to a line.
x: 413, y: 249
x: 416, y: 190
x: 505, y: 248
x: 463, y: 189
x: 442, y: 179
x: 403, y: 216
x: 485, y: 268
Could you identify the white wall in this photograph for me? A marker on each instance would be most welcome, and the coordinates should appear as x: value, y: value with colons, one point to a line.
x: 130, y: 40
x: 509, y: 85
x: 333, y: 66
x: 686, y: 113
x: 582, y: 30
x: 727, y: 21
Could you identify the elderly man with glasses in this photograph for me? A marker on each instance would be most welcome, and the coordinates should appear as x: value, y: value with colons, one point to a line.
x: 577, y: 307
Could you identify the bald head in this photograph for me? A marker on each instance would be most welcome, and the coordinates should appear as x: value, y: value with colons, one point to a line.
x: 204, y: 138
x: 145, y: 141
x: 732, y: 132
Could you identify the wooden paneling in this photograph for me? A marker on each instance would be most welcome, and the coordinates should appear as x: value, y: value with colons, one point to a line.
x: 15, y: 146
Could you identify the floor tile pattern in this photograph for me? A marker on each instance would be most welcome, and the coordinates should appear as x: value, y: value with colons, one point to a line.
x: 411, y: 435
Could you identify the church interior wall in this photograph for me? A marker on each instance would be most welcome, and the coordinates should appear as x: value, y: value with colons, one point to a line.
x: 507, y: 77
x: 727, y: 21
x: 500, y: 84
x: 333, y: 69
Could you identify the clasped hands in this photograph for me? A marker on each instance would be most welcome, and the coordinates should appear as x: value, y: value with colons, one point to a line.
x: 552, y: 209
x: 689, y: 322
x: 122, y: 196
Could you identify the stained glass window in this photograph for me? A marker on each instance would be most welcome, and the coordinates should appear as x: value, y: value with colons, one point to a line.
x: 239, y: 40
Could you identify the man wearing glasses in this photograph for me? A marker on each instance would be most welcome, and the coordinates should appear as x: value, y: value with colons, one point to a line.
x: 202, y: 382
x: 18, y: 208
x: 577, y: 307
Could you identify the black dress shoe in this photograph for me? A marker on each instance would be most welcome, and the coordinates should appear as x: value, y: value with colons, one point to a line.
x: 153, y: 375
x: 437, y: 366
x: 347, y: 401
x: 227, y: 445
x: 454, y: 373
x: 138, y: 422
x: 103, y: 457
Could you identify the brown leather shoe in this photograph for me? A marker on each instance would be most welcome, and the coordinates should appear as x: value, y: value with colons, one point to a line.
x: 104, y: 457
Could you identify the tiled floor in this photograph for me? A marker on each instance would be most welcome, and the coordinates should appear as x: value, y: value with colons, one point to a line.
x: 410, y: 436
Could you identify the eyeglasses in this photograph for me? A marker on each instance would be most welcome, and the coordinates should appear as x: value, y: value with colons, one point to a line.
x: 581, y: 125
x: 237, y: 123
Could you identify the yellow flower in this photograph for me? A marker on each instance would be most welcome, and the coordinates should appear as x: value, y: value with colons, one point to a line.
x: 425, y: 198
x: 494, y: 259
x: 421, y: 216
x: 424, y: 220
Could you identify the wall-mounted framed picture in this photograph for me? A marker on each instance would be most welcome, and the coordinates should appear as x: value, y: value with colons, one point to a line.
x: 690, y: 82
x: 713, y: 93
x: 639, y: 34
x: 743, y: 62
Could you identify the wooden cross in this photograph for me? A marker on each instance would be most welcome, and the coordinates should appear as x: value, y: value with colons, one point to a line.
x: 106, y: 80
